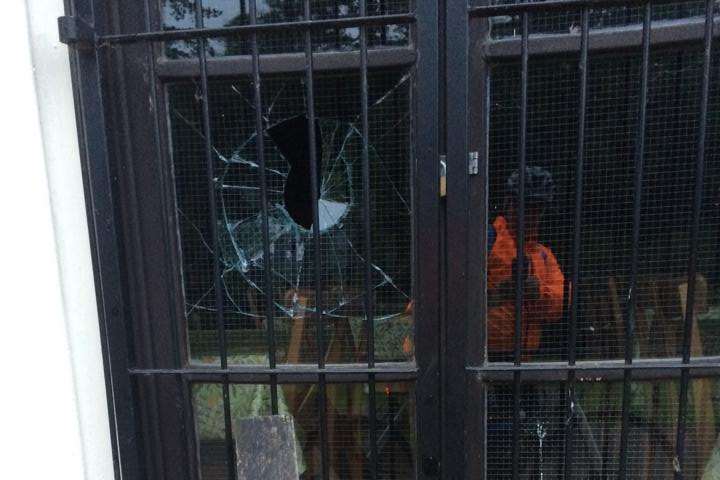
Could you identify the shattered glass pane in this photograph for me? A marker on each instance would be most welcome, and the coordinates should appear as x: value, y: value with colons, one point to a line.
x: 180, y: 14
x: 292, y: 249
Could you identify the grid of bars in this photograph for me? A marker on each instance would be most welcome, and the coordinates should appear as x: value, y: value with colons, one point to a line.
x: 629, y: 366
x: 512, y: 395
x: 325, y: 379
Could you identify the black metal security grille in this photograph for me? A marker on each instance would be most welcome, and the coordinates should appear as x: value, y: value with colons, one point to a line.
x: 264, y: 177
x: 270, y: 238
x: 624, y: 126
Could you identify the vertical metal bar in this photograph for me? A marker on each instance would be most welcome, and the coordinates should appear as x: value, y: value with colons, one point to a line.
x: 520, y: 240
x: 694, y: 236
x: 424, y: 169
x: 310, y: 99
x: 212, y: 208
x: 637, y: 210
x: 367, y: 224
x: 87, y: 67
x: 579, y: 169
x: 181, y: 385
x: 520, y: 227
x: 267, y: 264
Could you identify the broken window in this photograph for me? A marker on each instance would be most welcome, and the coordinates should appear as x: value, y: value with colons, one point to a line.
x: 339, y: 144
x: 292, y: 256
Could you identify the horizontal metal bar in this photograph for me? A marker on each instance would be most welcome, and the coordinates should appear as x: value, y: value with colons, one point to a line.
x: 284, y: 369
x: 616, y: 38
x: 260, y: 28
x: 291, y: 376
x: 606, y: 370
x: 555, y: 5
x: 286, y: 63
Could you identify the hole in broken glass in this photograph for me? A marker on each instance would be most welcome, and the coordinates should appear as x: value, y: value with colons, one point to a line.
x: 291, y: 138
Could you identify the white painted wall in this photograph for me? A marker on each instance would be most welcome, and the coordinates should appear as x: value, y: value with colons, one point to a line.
x: 53, y: 411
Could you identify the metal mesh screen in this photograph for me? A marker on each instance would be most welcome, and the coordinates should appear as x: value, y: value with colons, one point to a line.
x: 564, y: 22
x: 613, y: 86
x: 596, y: 426
x: 347, y: 417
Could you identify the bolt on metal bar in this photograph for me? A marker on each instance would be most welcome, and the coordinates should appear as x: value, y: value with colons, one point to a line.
x: 217, y: 274
x: 267, y: 264
x: 367, y: 224
x: 520, y: 240
x: 694, y: 236
x: 245, y: 30
x: 577, y: 239
x: 319, y: 317
x: 630, y: 305
x: 554, y: 5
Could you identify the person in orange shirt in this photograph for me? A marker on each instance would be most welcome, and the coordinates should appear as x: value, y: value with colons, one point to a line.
x: 543, y: 286
x: 543, y: 282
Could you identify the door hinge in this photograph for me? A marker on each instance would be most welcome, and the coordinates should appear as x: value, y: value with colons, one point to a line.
x: 443, y: 175
x: 473, y: 163
x: 76, y: 32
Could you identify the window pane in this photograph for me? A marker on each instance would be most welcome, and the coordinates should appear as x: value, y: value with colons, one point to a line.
x: 347, y: 408
x: 180, y: 14
x: 596, y: 423
x: 568, y: 22
x: 292, y: 251
x: 607, y: 206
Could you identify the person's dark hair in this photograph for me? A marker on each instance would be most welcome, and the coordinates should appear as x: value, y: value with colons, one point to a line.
x: 539, y: 187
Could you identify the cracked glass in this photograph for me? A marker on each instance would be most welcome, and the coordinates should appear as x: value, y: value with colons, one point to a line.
x: 292, y: 253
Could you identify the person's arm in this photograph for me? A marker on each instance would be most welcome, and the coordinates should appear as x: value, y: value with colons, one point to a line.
x: 550, y: 288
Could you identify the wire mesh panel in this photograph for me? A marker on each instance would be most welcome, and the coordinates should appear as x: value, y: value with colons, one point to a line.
x: 600, y: 232
x: 347, y: 407
x: 609, y: 16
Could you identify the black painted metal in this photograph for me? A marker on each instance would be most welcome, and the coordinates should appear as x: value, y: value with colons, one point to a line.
x: 630, y: 306
x: 267, y: 270
x: 520, y: 239
x: 668, y: 32
x: 572, y: 331
x: 86, y: 68
x: 694, y: 236
x: 458, y: 337
x: 441, y: 451
x: 367, y: 225
x: 302, y: 25
x: 554, y: 5
x: 217, y: 268
x: 319, y: 317
x: 426, y: 240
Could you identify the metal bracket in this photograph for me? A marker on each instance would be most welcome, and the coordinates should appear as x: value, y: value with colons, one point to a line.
x: 74, y: 31
x: 473, y: 163
x: 443, y: 175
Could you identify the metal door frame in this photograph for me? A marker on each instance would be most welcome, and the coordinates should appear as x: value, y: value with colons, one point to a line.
x: 119, y: 104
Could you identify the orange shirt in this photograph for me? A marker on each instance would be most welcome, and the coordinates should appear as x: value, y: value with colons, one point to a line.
x: 538, y: 309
